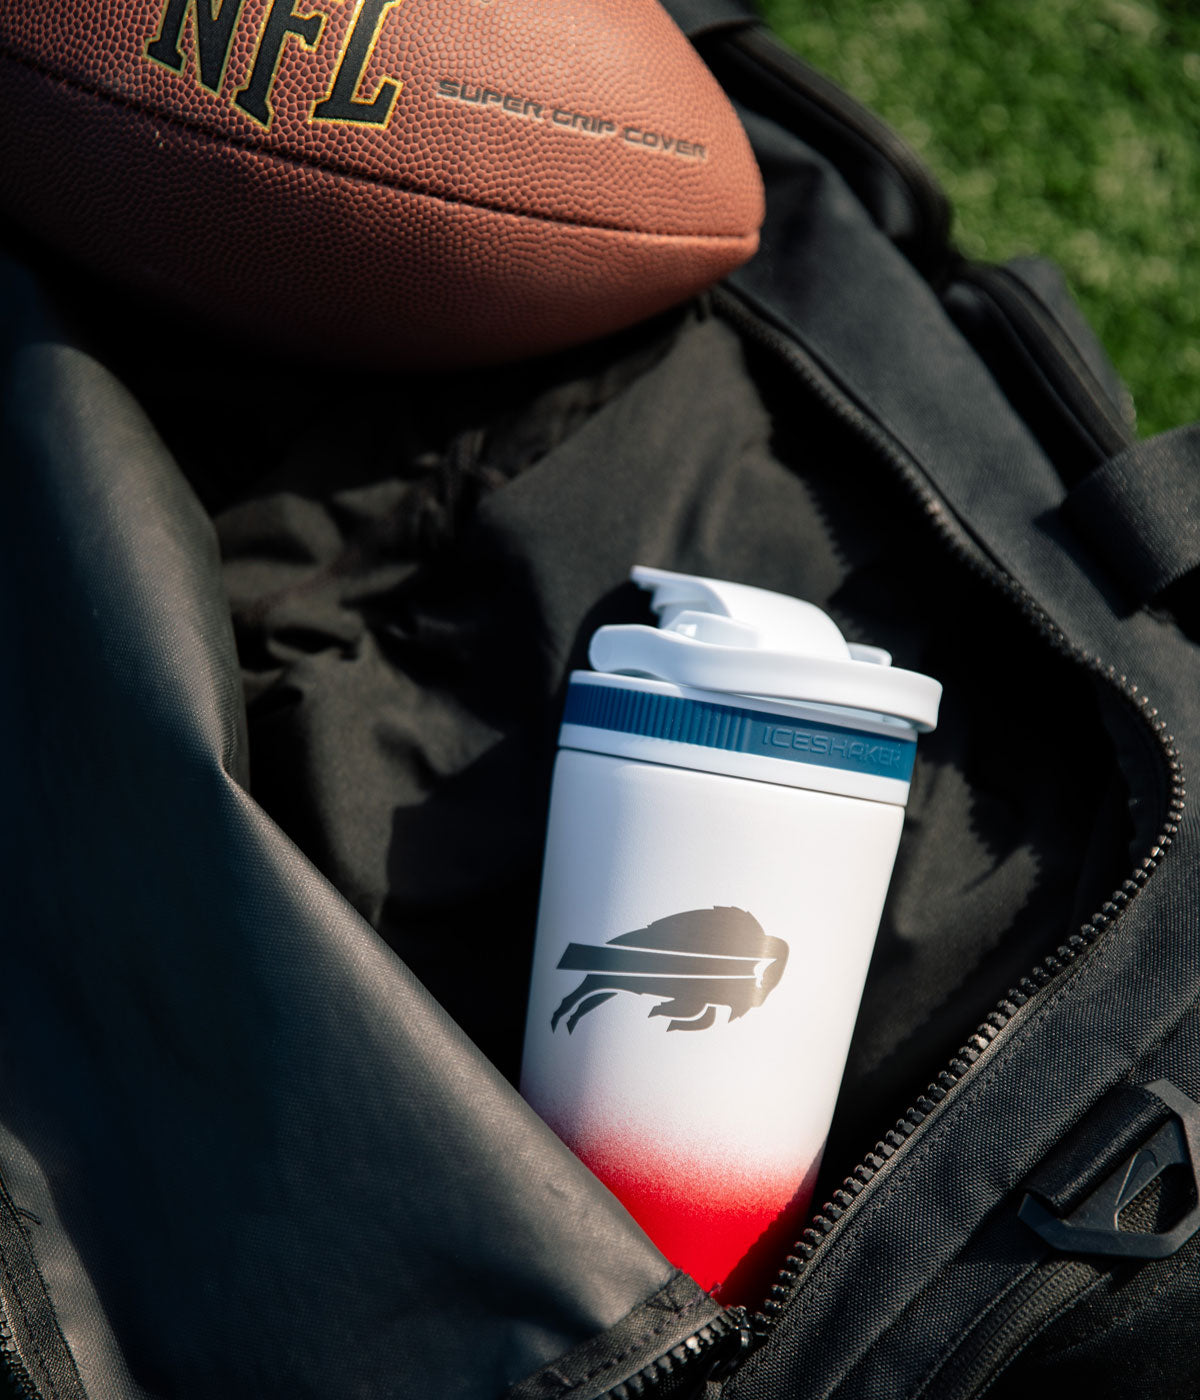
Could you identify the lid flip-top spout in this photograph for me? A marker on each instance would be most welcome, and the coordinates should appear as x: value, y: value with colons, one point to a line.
x: 735, y: 639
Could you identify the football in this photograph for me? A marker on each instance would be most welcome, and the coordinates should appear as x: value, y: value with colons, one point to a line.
x: 407, y: 183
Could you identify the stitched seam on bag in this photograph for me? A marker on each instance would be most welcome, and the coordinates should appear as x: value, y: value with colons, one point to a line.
x: 956, y: 1340
x: 1161, y: 1044
x: 361, y: 177
x: 1131, y: 1310
x: 953, y: 1342
x: 922, y: 1150
x: 1047, y: 1322
x: 15, y: 1293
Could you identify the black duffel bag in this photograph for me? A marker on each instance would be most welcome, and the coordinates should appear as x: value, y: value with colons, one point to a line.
x: 286, y: 654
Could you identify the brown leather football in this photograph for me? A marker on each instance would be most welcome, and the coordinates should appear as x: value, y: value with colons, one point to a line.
x: 420, y: 183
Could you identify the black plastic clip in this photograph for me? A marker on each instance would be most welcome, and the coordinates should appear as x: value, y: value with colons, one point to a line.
x: 1092, y: 1227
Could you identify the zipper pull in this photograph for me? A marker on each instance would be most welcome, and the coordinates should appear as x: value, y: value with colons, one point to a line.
x: 749, y: 1332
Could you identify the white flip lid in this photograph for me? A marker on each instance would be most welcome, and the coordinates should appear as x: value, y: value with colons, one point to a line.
x: 734, y: 639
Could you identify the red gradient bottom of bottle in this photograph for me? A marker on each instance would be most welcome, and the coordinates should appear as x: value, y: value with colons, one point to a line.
x: 729, y: 1228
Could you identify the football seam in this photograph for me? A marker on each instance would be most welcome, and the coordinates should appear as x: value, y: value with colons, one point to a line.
x: 402, y: 187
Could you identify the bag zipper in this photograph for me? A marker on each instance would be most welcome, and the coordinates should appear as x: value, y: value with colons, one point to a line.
x: 1052, y: 1287
x: 20, y: 1383
x: 714, y: 1348
x: 717, y: 1349
x: 1024, y: 1312
x: 752, y: 1329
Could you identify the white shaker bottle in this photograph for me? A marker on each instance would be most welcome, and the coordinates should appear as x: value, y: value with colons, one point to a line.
x: 724, y: 816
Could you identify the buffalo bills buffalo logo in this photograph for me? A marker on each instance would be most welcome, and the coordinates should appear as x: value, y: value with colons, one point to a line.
x: 695, y: 961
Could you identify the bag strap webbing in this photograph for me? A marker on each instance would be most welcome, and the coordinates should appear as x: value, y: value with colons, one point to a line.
x: 1140, y: 510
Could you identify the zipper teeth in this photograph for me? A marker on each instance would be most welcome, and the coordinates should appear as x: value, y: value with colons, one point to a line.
x: 19, y: 1379
x: 971, y: 1367
x: 709, y: 1343
x: 1053, y: 964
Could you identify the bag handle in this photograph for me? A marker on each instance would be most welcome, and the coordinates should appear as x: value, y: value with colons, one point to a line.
x: 1140, y: 511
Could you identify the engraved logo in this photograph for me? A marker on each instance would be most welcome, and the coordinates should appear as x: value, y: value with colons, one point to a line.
x: 694, y: 962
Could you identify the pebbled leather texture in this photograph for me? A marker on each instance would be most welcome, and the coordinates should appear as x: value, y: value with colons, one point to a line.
x: 502, y: 176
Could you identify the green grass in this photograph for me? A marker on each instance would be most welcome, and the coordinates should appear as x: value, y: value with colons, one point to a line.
x: 1064, y: 127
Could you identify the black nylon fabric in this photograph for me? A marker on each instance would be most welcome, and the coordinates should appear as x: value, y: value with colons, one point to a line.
x: 636, y: 1342
x: 894, y: 1292
x: 1049, y: 285
x: 1116, y: 1126
x: 1092, y: 416
x: 384, y: 743
x: 230, y: 1113
x: 1140, y: 511
x: 617, y: 480
x: 1136, y: 1333
x: 406, y: 607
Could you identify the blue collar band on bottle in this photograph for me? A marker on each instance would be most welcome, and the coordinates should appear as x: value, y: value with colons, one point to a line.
x: 778, y: 733
x: 747, y: 683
